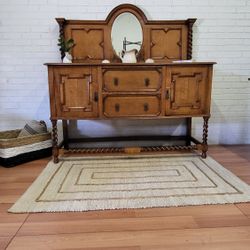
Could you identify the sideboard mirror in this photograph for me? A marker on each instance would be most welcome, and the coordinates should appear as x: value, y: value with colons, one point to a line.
x: 126, y: 33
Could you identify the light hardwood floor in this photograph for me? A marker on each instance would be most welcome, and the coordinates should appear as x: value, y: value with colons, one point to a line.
x: 215, y: 227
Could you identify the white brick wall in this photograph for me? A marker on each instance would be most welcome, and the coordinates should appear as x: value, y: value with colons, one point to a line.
x: 29, y: 34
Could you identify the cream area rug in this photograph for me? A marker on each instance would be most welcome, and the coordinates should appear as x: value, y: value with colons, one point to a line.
x: 81, y: 184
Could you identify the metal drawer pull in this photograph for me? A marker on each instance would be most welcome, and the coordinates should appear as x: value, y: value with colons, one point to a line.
x: 96, y: 97
x: 117, y: 107
x: 145, y: 107
x: 116, y: 81
x: 167, y: 94
x: 147, y: 82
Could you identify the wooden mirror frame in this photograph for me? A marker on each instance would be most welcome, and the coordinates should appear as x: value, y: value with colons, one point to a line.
x: 96, y: 37
x: 140, y: 17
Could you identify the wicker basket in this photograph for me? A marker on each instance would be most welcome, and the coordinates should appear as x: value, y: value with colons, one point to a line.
x: 15, y: 150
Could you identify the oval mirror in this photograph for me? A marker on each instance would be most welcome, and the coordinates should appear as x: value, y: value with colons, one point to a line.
x: 126, y: 33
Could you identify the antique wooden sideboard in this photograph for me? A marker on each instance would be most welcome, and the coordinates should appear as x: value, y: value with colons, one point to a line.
x: 164, y: 89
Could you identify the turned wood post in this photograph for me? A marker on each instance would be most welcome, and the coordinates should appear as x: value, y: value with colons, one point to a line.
x: 190, y: 23
x: 55, y: 149
x: 204, y: 137
x: 61, y: 22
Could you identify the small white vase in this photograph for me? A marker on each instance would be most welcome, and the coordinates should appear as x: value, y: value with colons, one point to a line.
x: 67, y: 58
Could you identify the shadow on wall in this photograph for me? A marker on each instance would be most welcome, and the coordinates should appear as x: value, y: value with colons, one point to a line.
x: 230, y: 108
x: 228, y: 129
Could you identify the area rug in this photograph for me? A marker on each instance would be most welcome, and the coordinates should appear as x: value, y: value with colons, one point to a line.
x: 82, y: 184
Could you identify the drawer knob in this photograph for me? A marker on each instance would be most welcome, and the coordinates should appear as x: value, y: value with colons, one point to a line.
x: 167, y: 94
x: 96, y: 97
x: 117, y: 107
x: 145, y: 107
x: 147, y: 82
x: 116, y: 81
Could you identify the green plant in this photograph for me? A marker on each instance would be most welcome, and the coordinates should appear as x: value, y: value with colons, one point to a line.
x: 65, y: 45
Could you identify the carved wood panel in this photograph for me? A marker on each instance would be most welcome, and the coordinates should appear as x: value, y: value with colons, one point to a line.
x: 186, y: 90
x: 89, y: 43
x: 76, y: 93
x: 166, y: 43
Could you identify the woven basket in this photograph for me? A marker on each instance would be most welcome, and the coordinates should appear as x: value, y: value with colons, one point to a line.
x: 15, y: 150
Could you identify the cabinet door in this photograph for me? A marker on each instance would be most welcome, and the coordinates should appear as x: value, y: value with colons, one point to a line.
x: 188, y: 90
x: 76, y: 92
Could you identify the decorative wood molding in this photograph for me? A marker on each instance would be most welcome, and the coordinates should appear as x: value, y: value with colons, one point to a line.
x: 204, y: 136
x: 190, y: 23
x: 93, y: 47
x: 164, y: 55
x: 196, y: 104
x: 64, y: 78
x: 181, y: 48
x: 55, y: 140
x: 61, y: 22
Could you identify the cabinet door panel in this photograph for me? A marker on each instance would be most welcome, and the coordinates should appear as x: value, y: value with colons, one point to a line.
x: 89, y: 42
x: 76, y: 90
x: 187, y: 90
x: 167, y: 43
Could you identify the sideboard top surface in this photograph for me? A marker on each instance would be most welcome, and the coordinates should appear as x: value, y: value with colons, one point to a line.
x: 129, y: 64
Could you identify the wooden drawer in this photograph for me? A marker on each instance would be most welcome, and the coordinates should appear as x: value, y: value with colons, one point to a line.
x: 117, y: 80
x: 125, y: 106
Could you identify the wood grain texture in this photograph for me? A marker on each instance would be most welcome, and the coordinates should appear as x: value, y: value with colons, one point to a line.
x: 132, y: 238
x: 219, y: 227
x: 4, y: 241
x: 10, y: 223
x: 244, y: 208
x: 93, y: 43
x: 107, y: 225
x: 88, y: 89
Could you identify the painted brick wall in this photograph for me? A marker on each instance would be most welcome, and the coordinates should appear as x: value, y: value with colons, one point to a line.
x: 29, y: 34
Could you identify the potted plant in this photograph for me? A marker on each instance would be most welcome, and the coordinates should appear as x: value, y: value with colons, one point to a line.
x: 65, y: 47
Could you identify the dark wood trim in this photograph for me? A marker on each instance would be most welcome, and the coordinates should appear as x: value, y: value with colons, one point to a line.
x: 128, y: 138
x: 131, y: 150
x: 204, y: 137
x: 61, y: 22
x: 65, y: 133
x: 190, y: 22
x: 194, y: 140
x: 188, y: 130
x: 126, y: 8
x: 55, y: 148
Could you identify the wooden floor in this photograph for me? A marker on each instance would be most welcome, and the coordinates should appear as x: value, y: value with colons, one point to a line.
x: 215, y: 227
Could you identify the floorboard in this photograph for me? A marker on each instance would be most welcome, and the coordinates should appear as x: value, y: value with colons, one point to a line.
x: 4, y: 241
x: 133, y: 238
x: 107, y: 225
x: 217, y: 227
